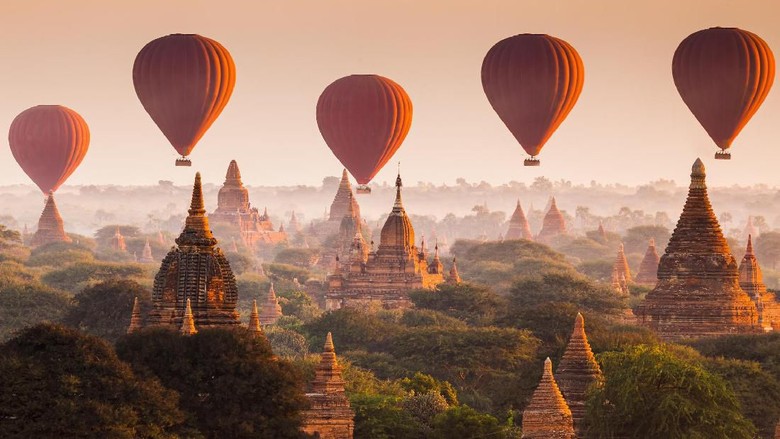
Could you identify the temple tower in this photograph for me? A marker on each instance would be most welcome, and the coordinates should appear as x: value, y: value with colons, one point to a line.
x: 330, y: 415
x: 648, y: 269
x: 136, y: 321
x: 344, y: 201
x: 146, y: 255
x: 576, y: 372
x: 553, y: 225
x: 254, y: 320
x: 547, y: 416
x: 195, y: 271
x: 271, y: 310
x: 620, y: 266
x: 454, y: 276
x: 752, y: 282
x: 50, y: 225
x: 118, y: 241
x: 518, y: 226
x: 698, y: 292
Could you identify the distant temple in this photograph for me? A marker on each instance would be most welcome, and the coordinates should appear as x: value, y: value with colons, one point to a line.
x: 270, y: 310
x: 386, y: 276
x: 648, y: 269
x: 518, y: 226
x: 329, y: 416
x: 195, y: 271
x: 146, y: 256
x: 118, y: 241
x: 50, y: 225
x: 344, y: 204
x: 233, y: 208
x: 577, y: 370
x: 752, y: 282
x: 547, y: 416
x: 553, y: 225
x: 601, y: 234
x: 621, y: 273
x: 698, y: 292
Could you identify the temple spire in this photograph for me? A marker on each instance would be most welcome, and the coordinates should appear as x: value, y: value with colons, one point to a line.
x: 254, y: 319
x: 547, y: 415
x: 196, y: 226
x: 327, y: 378
x: 749, y: 249
x: 188, y: 322
x: 518, y: 225
x: 146, y: 255
x: 454, y: 277
x: 136, y: 322
x: 233, y: 175
x: 577, y: 370
x: 648, y: 268
x: 271, y: 310
x: 398, y: 206
x: 50, y: 225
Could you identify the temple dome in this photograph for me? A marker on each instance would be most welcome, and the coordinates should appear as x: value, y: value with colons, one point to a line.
x: 397, y: 233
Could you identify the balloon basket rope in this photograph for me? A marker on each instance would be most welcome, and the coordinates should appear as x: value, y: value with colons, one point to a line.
x: 363, y: 189
x: 533, y: 161
x: 722, y: 155
x: 183, y: 161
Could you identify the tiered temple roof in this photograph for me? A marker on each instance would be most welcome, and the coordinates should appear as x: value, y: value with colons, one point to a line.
x: 330, y: 415
x: 454, y: 275
x: 518, y: 225
x: 648, y: 269
x: 752, y: 282
x: 621, y: 265
x: 547, y: 416
x: 136, y: 321
x: 344, y: 202
x: 576, y: 372
x: 188, y: 321
x: 118, y: 241
x: 50, y: 225
x: 553, y: 225
x: 234, y: 208
x: 698, y: 292
x: 195, y: 270
x: 254, y: 319
x: 389, y: 273
x: 271, y: 310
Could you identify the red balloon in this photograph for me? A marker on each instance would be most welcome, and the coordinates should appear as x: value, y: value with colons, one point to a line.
x: 49, y: 142
x: 723, y: 76
x: 532, y: 82
x: 364, y: 119
x: 184, y: 82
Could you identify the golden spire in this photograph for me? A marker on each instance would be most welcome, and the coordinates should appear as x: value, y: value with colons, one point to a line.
x: 254, y: 319
x: 547, y: 415
x: 749, y: 249
x: 398, y: 206
x: 135, y: 318
x: 188, y: 322
x: 233, y: 175
x: 196, y: 226
x: 271, y: 310
x: 454, y: 275
x: 327, y: 376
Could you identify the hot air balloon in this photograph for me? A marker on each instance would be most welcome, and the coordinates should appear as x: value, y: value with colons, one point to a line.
x: 532, y: 82
x: 364, y: 119
x: 184, y: 82
x: 723, y: 75
x: 49, y: 142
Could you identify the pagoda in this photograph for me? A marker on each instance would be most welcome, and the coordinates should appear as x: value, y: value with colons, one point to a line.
x: 270, y: 311
x: 387, y: 275
x: 329, y: 415
x: 601, y: 234
x: 234, y: 209
x: 195, y: 271
x: 518, y: 226
x: 146, y: 255
x: 118, y: 241
x: 752, y: 282
x: 553, y: 225
x: 344, y: 204
x: 454, y: 276
x: 576, y: 372
x: 648, y: 269
x: 547, y: 416
x: 698, y: 292
x: 50, y: 225
x: 254, y: 320
x: 136, y: 320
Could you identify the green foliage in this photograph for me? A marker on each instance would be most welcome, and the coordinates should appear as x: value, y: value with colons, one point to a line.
x: 351, y: 328
x: 564, y: 288
x: 299, y: 257
x: 382, y: 417
x: 286, y: 271
x: 465, y: 422
x: 77, y: 276
x: 425, y: 406
x: 59, y: 254
x: 421, y: 383
x: 104, y: 309
x: 585, y: 249
x: 426, y: 317
x: 598, y: 270
x: 763, y: 348
x: 240, y: 263
x: 287, y: 343
x: 104, y: 234
x: 660, y: 391
x: 231, y: 384
x: 474, y: 304
x: 26, y: 302
x: 637, y: 238
x: 768, y: 249
x: 299, y: 304
x: 59, y: 383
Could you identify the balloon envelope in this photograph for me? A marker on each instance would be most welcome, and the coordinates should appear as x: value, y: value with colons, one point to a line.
x: 532, y: 82
x: 364, y: 119
x: 723, y: 75
x: 184, y: 82
x: 49, y: 142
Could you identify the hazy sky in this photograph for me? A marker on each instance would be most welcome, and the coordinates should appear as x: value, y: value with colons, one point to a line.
x: 629, y: 125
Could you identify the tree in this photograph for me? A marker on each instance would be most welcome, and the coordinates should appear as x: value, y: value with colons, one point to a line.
x: 26, y: 302
x: 59, y: 254
x: 351, y: 328
x: 768, y: 249
x: 299, y: 257
x: 636, y: 238
x: 79, y: 275
x: 229, y: 380
x: 104, y: 309
x: 574, y: 288
x: 474, y: 304
x: 658, y: 391
x: 59, y: 383
x: 465, y: 422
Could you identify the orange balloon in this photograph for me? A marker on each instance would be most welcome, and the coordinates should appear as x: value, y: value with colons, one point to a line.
x: 49, y: 142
